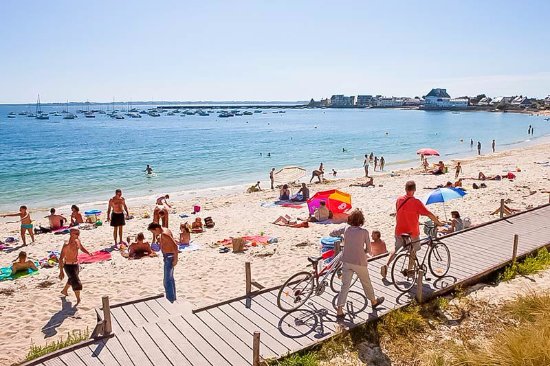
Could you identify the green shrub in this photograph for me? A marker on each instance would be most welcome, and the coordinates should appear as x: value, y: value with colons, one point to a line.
x: 76, y: 336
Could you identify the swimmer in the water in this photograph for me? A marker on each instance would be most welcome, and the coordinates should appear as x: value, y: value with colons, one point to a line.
x: 268, y: 155
x: 149, y: 170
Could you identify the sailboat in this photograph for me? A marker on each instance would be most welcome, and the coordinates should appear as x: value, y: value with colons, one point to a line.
x: 67, y: 114
x: 39, y: 113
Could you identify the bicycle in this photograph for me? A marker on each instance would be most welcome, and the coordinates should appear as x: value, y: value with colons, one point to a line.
x: 439, y: 262
x: 299, y: 287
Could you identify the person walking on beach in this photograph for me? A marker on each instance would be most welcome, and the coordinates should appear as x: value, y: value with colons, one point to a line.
x: 272, y: 177
x: 471, y: 143
x: 493, y: 145
x: 382, y: 163
x: 366, y: 165
x: 68, y: 261
x: 371, y: 157
x: 375, y: 162
x: 354, y: 259
x: 169, y: 250
x: 479, y: 147
x: 408, y: 210
x: 458, y: 170
x: 118, y: 205
x: 26, y: 223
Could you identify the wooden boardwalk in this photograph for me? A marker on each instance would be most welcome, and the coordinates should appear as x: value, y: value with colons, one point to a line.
x: 153, y: 331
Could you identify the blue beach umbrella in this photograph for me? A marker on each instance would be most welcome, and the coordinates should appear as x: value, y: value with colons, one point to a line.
x: 442, y: 195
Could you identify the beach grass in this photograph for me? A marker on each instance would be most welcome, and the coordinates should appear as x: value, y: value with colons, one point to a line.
x: 74, y: 337
x: 306, y: 359
x: 529, y: 265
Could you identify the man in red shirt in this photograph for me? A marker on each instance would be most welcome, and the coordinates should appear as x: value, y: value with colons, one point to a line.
x: 408, y: 210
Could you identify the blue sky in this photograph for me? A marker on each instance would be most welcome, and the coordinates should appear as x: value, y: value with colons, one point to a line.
x: 270, y: 50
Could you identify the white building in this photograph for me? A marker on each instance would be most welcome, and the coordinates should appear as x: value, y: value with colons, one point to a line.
x: 439, y: 99
x: 389, y: 102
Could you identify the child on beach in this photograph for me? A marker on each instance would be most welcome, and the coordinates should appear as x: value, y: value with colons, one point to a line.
x: 458, y: 170
x: 26, y: 223
x: 22, y: 264
x: 377, y: 245
x: 185, y: 234
x: 68, y: 261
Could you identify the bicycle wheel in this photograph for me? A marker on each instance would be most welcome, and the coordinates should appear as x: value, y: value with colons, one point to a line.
x: 402, y: 278
x: 439, y: 260
x: 336, y: 279
x: 295, y: 291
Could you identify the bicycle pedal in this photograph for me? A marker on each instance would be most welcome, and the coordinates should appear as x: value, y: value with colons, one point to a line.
x: 428, y: 278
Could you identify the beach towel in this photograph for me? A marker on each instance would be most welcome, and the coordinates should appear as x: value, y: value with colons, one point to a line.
x: 62, y: 230
x: 191, y: 247
x: 6, y: 275
x: 258, y: 239
x: 292, y: 205
x: 99, y: 256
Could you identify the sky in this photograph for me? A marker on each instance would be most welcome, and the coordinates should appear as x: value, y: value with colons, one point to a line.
x: 270, y: 50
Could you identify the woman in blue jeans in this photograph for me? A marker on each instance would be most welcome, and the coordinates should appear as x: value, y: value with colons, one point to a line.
x: 169, y: 250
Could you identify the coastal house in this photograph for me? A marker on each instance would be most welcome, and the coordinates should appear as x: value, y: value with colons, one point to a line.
x: 521, y: 102
x: 439, y: 99
x: 412, y: 102
x: 364, y: 100
x: 389, y: 102
x: 484, y: 101
x: 501, y: 101
x: 547, y: 101
x: 341, y: 101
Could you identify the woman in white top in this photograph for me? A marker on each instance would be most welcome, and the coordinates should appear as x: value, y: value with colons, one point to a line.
x: 354, y: 258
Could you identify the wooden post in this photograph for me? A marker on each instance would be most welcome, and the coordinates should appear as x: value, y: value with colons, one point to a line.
x: 248, y: 278
x: 256, y: 349
x: 107, y: 328
x: 515, y: 251
x: 501, y: 208
x: 419, y: 286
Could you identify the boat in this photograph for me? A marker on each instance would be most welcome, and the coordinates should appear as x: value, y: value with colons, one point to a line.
x: 170, y: 114
x: 154, y: 114
x: 248, y: 113
x: 134, y: 115
x: 258, y: 111
x: 119, y: 116
x: 39, y: 113
x: 203, y: 114
x: 69, y: 116
x: 89, y: 115
x: 22, y: 113
x: 225, y: 115
x: 11, y: 115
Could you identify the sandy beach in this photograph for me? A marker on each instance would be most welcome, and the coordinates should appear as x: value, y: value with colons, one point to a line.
x: 32, y: 308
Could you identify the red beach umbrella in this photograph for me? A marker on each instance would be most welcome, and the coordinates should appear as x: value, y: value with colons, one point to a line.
x: 427, y: 152
x: 335, y: 200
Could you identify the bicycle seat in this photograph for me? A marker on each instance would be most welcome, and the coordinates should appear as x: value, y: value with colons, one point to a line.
x: 314, y: 260
x: 406, y: 237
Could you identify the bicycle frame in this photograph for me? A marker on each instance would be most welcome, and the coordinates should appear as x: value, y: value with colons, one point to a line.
x: 327, y: 270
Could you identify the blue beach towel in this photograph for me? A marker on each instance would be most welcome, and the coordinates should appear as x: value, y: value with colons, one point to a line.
x: 6, y: 275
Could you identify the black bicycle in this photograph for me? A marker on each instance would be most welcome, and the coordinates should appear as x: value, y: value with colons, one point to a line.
x: 406, y: 267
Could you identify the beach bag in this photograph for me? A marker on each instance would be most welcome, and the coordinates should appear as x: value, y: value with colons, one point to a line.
x: 238, y: 245
x: 466, y: 222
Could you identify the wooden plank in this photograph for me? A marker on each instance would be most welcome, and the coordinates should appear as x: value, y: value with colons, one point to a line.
x: 114, y: 346
x: 57, y: 362
x: 245, y: 335
x: 71, y: 358
x: 186, y: 348
x: 122, y: 319
x: 85, y: 354
x: 134, y: 315
x: 133, y: 350
x: 151, y: 349
x: 146, y: 312
x: 101, y: 352
x: 235, y: 342
x: 178, y: 307
x: 156, y: 308
x: 168, y: 348
x: 205, y: 348
x: 217, y: 342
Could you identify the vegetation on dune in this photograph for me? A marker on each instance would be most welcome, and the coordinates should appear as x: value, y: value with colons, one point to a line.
x: 74, y: 337
x: 530, y: 265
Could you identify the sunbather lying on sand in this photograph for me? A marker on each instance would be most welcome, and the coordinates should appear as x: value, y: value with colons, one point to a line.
x: 22, y: 264
x: 482, y: 176
x: 369, y: 183
x: 288, y: 221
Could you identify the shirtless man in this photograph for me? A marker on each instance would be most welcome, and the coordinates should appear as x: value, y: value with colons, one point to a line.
x: 162, y: 205
x: 118, y: 205
x: 318, y: 174
x: 26, y: 223
x: 68, y: 260
x: 76, y: 216
x: 148, y: 170
x: 22, y: 264
x: 140, y: 248
x: 56, y: 221
x: 169, y: 250
x: 366, y: 165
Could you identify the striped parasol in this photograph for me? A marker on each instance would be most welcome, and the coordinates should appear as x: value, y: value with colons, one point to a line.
x: 289, y: 174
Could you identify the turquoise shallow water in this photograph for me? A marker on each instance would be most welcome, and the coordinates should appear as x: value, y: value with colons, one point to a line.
x: 57, y: 162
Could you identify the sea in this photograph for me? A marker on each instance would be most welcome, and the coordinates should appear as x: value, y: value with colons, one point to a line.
x: 58, y: 162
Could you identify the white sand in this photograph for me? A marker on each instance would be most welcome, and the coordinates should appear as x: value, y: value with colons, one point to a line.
x: 206, y: 276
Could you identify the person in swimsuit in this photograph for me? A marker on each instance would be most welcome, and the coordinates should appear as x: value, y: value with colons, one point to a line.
x: 76, y: 216
x: 140, y: 248
x: 169, y: 250
x: 272, y: 177
x: 284, y: 193
x: 56, y: 221
x: 118, y: 205
x: 26, y: 223
x: 22, y: 264
x: 185, y: 234
x: 68, y: 261
x: 162, y: 205
x: 366, y: 165
x: 149, y: 170
x: 382, y: 163
x: 375, y: 162
x: 302, y: 195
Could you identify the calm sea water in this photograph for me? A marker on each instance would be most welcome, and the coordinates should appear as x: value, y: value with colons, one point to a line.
x: 57, y: 162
